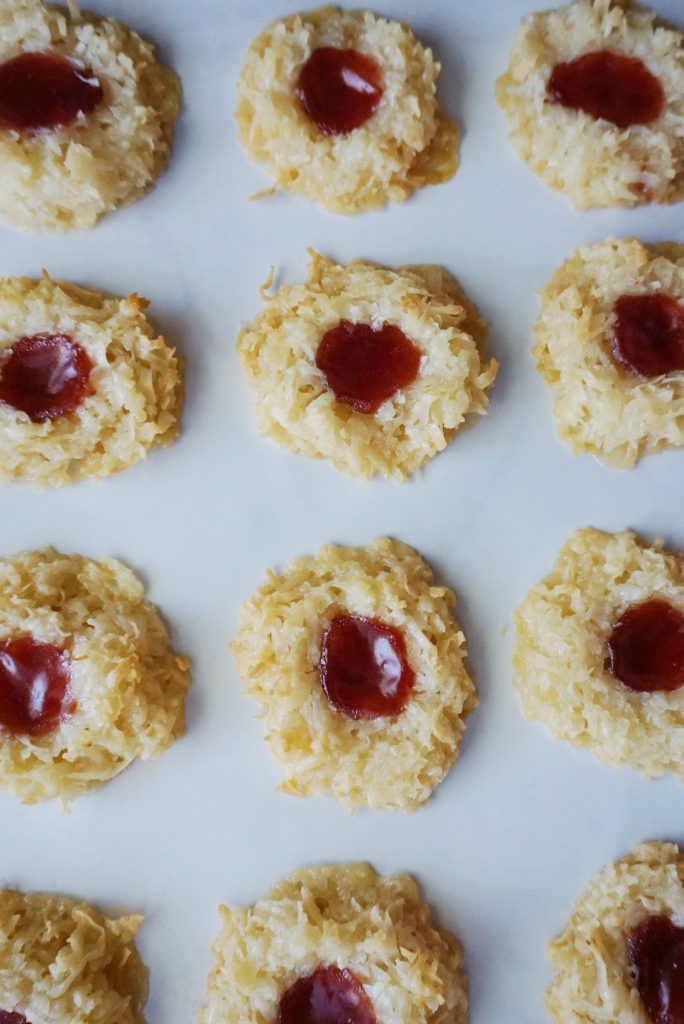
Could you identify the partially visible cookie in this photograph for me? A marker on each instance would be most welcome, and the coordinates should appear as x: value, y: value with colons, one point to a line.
x: 88, y: 679
x: 371, y: 368
x: 340, y: 106
x: 619, y: 956
x: 600, y: 651
x: 610, y: 345
x: 87, y: 116
x: 87, y: 387
x: 358, y: 664
x: 63, y: 960
x: 594, y: 95
x: 365, y: 940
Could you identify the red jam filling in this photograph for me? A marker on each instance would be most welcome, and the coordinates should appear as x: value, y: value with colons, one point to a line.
x: 45, y: 376
x: 365, y: 365
x: 646, y: 647
x: 12, y: 1018
x: 339, y: 89
x: 649, y: 334
x: 43, y: 91
x: 363, y: 667
x: 328, y: 996
x: 34, y: 687
x: 655, y: 949
x: 609, y: 86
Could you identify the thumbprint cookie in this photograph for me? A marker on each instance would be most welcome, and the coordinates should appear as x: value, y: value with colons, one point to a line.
x: 358, y: 664
x: 621, y: 954
x: 371, y: 368
x: 340, y: 106
x: 594, y: 95
x: 86, y: 385
x: 600, y: 650
x: 88, y: 680
x: 62, y: 960
x: 336, y: 944
x: 610, y: 346
x: 87, y: 116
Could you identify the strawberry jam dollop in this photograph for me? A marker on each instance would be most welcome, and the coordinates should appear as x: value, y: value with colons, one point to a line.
x: 609, y: 86
x: 649, y: 334
x: 646, y: 647
x: 328, y: 996
x: 46, y: 376
x: 365, y: 364
x: 34, y: 686
x: 363, y: 667
x: 12, y: 1018
x: 339, y: 89
x: 42, y: 91
x: 655, y: 949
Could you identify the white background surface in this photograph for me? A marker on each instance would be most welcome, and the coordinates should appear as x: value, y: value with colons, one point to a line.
x: 515, y: 831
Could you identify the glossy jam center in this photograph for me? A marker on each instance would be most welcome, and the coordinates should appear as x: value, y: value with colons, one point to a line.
x: 42, y: 91
x: 655, y: 948
x: 649, y: 334
x: 646, y: 647
x: 365, y: 365
x: 12, y: 1018
x: 339, y: 89
x: 363, y: 667
x: 328, y: 996
x: 45, y: 376
x: 610, y: 86
x: 34, y: 686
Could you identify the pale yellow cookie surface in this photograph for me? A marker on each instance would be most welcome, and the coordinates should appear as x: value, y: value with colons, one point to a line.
x: 387, y: 762
x: 601, y: 405
x: 127, y: 683
x: 563, y: 626
x: 347, y: 916
x: 62, y: 960
x: 67, y: 178
x: 293, y: 403
x: 136, y: 384
x: 593, y: 981
x: 591, y: 160
x: 406, y: 144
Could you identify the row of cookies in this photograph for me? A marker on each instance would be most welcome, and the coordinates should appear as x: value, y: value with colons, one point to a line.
x: 356, y: 661
x: 371, y: 368
x: 339, y: 105
x: 344, y: 945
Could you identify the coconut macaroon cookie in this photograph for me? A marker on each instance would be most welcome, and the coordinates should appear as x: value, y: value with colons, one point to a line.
x: 373, y: 369
x: 86, y: 115
x: 336, y: 944
x: 63, y: 960
x: 340, y: 106
x: 358, y: 664
x: 87, y: 387
x: 594, y: 95
x: 610, y: 345
x: 621, y: 954
x: 88, y: 680
x: 600, y: 652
